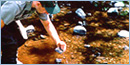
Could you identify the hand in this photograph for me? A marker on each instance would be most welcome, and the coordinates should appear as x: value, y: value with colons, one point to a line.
x: 62, y: 45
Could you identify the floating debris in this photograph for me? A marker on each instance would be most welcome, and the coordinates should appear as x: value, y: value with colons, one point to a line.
x: 123, y: 33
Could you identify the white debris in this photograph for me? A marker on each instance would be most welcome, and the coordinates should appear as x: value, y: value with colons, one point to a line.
x: 80, y: 30
x: 123, y: 33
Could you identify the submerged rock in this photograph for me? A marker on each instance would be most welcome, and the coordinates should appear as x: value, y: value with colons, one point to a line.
x: 123, y: 33
x: 87, y: 46
x: 113, y: 11
x: 119, y: 4
x: 125, y: 47
x: 58, y: 60
x: 80, y: 13
x: 80, y: 30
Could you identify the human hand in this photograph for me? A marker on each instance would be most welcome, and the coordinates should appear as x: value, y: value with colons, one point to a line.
x: 62, y: 45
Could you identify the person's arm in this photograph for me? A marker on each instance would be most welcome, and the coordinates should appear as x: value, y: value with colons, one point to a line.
x: 45, y: 20
x: 53, y: 33
x: 2, y: 24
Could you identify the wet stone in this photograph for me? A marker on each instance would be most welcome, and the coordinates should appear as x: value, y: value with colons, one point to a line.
x: 80, y: 30
x: 126, y: 47
x: 87, y: 46
x: 66, y: 24
x: 72, y: 56
x: 42, y: 36
x: 58, y: 60
x: 98, y: 54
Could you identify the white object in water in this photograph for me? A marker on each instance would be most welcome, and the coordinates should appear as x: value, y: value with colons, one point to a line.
x: 23, y: 30
x: 123, y: 33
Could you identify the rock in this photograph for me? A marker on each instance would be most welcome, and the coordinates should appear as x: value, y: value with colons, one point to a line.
x: 89, y: 14
x: 98, y: 60
x: 113, y: 11
x: 64, y: 57
x: 80, y: 22
x: 66, y: 24
x: 68, y: 4
x: 110, y: 53
x: 79, y: 30
x: 126, y: 47
x: 59, y: 50
x: 98, y: 54
x: 123, y: 33
x: 72, y: 56
x: 119, y: 4
x: 101, y: 58
x: 93, y: 51
x: 80, y: 13
x: 58, y: 60
x: 69, y: 12
x: 42, y: 36
x: 87, y: 46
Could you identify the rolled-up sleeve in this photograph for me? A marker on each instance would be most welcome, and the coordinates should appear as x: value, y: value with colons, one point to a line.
x: 8, y: 11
